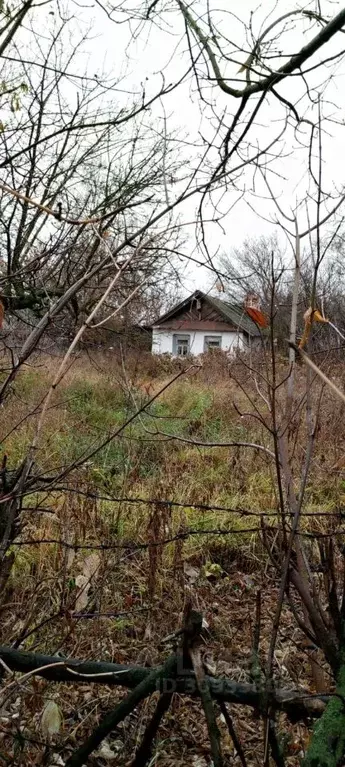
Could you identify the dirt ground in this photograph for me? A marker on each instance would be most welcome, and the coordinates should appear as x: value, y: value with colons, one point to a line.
x: 226, y: 594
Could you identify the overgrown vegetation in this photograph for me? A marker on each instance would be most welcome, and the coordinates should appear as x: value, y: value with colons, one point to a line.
x: 118, y: 559
x: 142, y: 498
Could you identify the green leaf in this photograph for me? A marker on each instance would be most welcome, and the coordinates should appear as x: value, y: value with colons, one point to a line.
x: 213, y: 570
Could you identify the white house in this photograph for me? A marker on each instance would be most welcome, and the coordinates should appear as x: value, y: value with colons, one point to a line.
x: 200, y: 323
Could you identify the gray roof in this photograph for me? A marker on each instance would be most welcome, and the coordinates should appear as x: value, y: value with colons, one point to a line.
x: 234, y: 313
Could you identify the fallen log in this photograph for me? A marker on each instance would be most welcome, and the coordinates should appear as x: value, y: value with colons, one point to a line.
x: 296, y: 703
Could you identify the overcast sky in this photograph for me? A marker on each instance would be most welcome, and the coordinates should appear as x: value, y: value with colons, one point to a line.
x: 112, y: 49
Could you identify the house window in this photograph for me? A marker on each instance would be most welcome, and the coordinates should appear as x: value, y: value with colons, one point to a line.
x: 181, y: 345
x: 212, y: 342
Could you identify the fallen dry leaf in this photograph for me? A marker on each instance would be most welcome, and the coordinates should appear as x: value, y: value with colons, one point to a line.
x: 51, y: 719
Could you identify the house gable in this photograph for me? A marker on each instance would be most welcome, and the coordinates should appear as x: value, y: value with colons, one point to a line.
x: 202, y: 312
x: 194, y: 314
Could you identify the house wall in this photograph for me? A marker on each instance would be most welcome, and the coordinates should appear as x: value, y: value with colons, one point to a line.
x: 162, y: 340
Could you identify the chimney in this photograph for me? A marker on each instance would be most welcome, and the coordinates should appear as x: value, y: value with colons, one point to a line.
x: 252, y: 301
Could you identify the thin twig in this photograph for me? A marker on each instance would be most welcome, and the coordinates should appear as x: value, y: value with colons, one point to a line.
x: 232, y: 733
x: 144, y: 751
x: 207, y: 703
x: 114, y: 717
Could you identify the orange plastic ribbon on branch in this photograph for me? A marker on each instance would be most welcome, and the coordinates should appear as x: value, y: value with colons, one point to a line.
x: 310, y: 316
x: 257, y: 316
x: 252, y: 307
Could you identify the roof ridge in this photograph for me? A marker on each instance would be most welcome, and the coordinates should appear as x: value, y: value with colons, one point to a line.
x: 234, y: 313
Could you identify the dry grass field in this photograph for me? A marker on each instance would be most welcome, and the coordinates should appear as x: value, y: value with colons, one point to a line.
x: 103, y: 565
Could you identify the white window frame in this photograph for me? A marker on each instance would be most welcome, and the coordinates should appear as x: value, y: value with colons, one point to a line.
x: 207, y: 340
x: 177, y: 338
